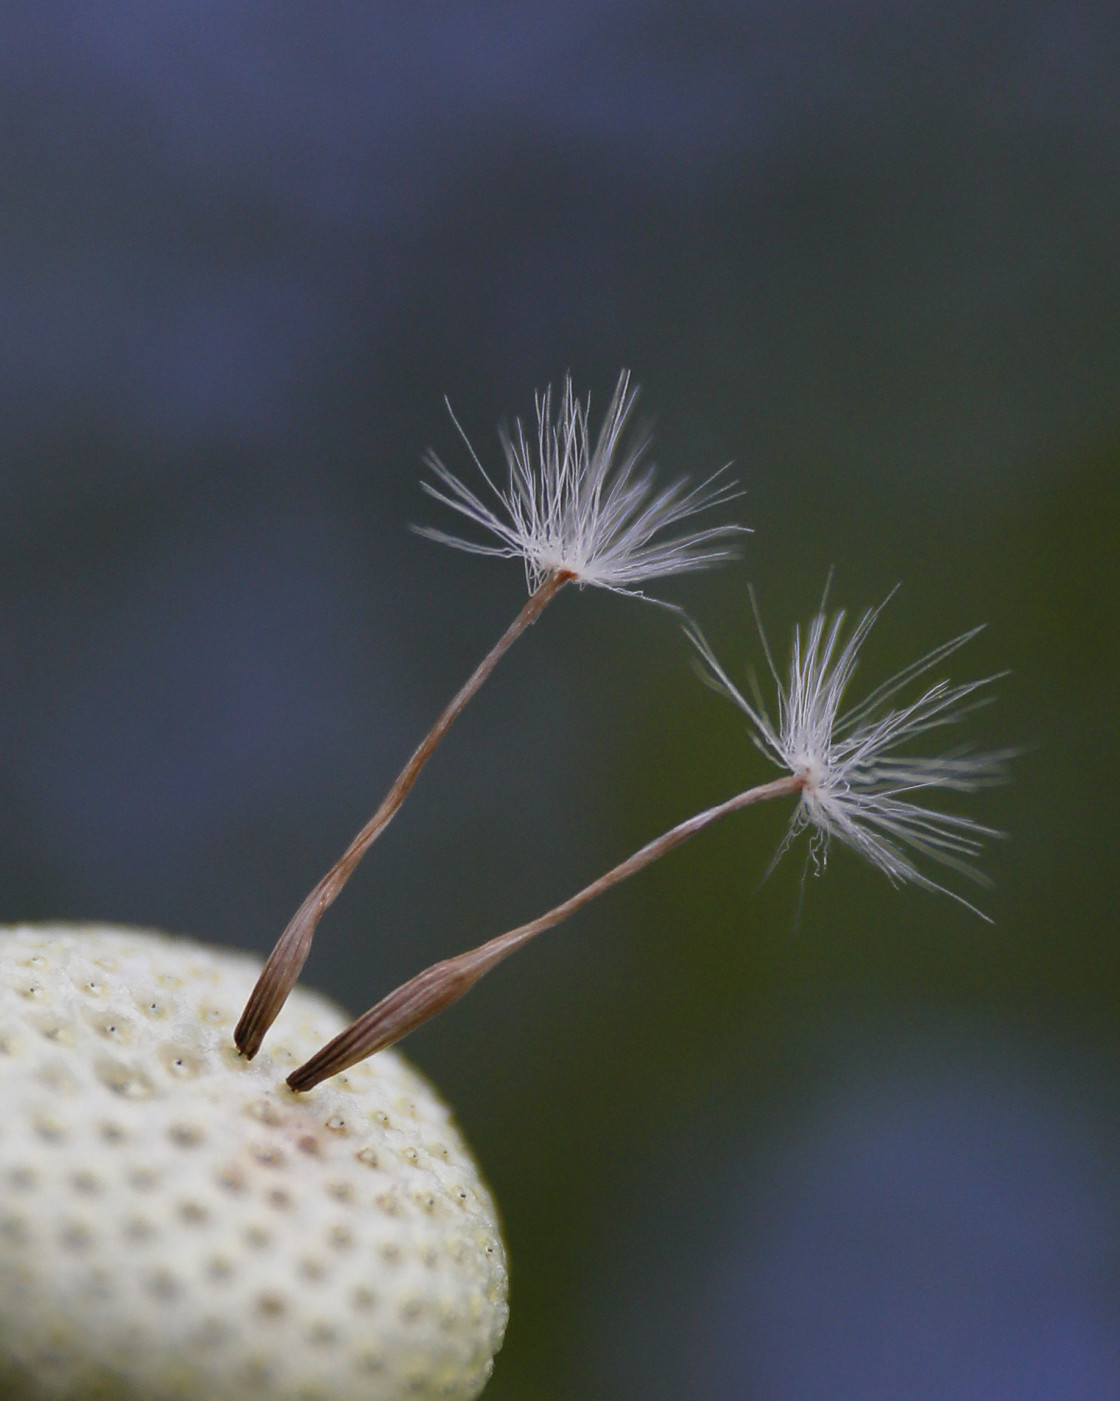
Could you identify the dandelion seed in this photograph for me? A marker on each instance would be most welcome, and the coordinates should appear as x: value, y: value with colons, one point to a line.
x: 843, y: 768
x: 579, y: 513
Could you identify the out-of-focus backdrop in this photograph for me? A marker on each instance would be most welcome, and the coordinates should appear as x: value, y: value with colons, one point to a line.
x: 777, y: 1140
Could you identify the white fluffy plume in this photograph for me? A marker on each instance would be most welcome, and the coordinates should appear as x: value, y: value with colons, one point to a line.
x: 859, y: 787
x: 589, y: 510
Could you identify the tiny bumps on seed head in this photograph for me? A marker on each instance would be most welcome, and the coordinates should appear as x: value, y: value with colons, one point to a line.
x: 175, y: 1223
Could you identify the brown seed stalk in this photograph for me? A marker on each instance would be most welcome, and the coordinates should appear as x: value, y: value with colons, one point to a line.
x: 437, y: 987
x: 286, y: 961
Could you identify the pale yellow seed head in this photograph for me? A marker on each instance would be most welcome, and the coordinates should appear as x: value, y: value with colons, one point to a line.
x: 176, y: 1223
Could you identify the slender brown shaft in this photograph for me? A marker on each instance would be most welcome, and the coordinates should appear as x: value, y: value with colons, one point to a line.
x: 437, y: 987
x: 286, y: 961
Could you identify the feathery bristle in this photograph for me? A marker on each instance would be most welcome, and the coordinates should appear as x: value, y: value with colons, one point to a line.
x: 590, y: 510
x: 858, y: 787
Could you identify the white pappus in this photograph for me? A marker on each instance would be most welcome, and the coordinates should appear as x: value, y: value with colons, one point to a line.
x: 586, y: 510
x: 858, y: 787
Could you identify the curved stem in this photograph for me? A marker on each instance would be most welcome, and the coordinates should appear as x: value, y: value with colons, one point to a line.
x: 286, y: 961
x: 437, y: 987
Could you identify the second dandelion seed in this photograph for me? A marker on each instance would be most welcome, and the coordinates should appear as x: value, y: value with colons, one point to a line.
x: 842, y: 766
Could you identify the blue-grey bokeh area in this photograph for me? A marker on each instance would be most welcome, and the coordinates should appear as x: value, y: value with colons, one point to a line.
x: 787, y: 1139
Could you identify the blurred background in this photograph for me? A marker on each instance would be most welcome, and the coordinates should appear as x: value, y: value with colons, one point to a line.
x: 809, y: 1138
